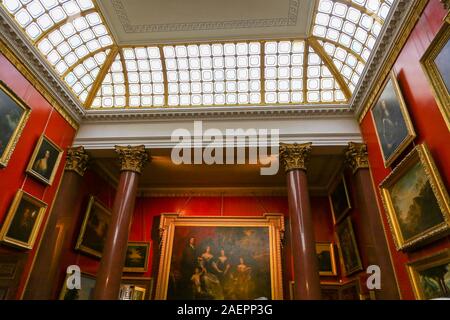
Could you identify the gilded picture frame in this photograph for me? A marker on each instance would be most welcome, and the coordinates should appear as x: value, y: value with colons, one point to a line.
x: 23, y: 221
x: 430, y: 276
x: 45, y: 160
x: 440, y: 83
x: 97, y: 216
x: 339, y: 199
x: 84, y: 293
x: 19, y: 113
x: 416, y: 201
x: 137, y: 257
x: 142, y: 284
x: 272, y: 225
x: 327, y: 258
x: 393, y: 126
x: 348, y: 248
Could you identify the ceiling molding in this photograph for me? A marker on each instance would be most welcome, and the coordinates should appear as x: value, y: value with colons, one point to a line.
x: 218, y: 113
x: 401, y: 22
x: 33, y: 61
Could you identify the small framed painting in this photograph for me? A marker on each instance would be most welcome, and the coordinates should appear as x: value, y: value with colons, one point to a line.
x: 136, y: 288
x: 86, y: 291
x: 339, y: 200
x: 23, y: 221
x: 430, y: 276
x: 435, y: 63
x: 392, y: 122
x: 326, y: 258
x: 348, y: 249
x: 137, y: 257
x: 94, y: 229
x: 14, y: 115
x: 416, y: 201
x: 45, y: 160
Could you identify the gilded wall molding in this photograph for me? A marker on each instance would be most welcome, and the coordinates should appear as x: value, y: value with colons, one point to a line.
x: 295, y: 156
x: 77, y: 160
x: 132, y: 158
x: 403, y: 21
x: 356, y: 156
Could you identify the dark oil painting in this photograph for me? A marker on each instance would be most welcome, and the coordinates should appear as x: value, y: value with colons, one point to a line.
x: 389, y: 121
x: 45, y: 161
x: 339, y: 201
x: 443, y: 65
x: 416, y: 206
x: 435, y: 281
x: 136, y: 257
x: 24, y: 220
x: 216, y: 263
x: 10, y: 116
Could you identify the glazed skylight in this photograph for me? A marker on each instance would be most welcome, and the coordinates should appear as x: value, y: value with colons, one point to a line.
x: 324, y: 68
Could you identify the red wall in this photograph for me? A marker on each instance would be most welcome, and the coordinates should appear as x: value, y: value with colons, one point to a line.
x: 428, y: 123
x: 44, y: 119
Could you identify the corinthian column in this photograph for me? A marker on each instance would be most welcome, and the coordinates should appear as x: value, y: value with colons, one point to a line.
x: 294, y: 158
x: 59, y: 231
x: 374, y: 239
x: 109, y: 275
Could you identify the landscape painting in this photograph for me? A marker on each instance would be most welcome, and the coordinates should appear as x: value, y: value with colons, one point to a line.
x: 415, y: 199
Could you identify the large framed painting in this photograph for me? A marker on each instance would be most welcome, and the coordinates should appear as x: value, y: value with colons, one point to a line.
x: 430, y: 276
x: 348, y: 249
x: 339, y: 200
x: 137, y: 257
x: 23, y: 220
x: 45, y: 160
x: 392, y: 122
x: 14, y: 115
x: 435, y: 63
x: 326, y: 257
x: 91, y: 239
x: 86, y: 291
x: 216, y: 258
x: 416, y: 201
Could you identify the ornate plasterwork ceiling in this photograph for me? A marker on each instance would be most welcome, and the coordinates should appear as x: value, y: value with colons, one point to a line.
x: 320, y: 66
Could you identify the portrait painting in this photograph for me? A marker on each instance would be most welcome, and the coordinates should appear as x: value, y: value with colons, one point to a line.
x: 430, y: 276
x: 221, y: 261
x: 86, y: 291
x: 326, y: 258
x: 91, y: 239
x: 435, y: 63
x: 392, y: 122
x: 339, y: 200
x: 137, y: 257
x: 136, y: 288
x: 44, y: 162
x: 416, y: 200
x: 13, y: 117
x: 348, y: 249
x: 23, y: 221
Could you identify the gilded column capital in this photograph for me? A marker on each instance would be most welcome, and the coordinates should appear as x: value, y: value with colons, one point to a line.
x: 132, y: 158
x: 77, y: 160
x: 295, y: 156
x: 446, y: 4
x: 356, y: 156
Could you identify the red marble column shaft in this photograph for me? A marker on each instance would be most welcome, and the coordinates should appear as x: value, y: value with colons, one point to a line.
x: 109, y: 275
x: 306, y: 274
x: 306, y: 271
x: 59, y: 230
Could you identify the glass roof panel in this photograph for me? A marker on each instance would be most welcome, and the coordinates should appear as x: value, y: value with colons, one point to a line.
x: 72, y: 37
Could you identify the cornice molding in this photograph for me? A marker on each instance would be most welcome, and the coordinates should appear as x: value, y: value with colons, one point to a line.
x: 396, y: 32
x: 216, y: 113
x: 28, y: 61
